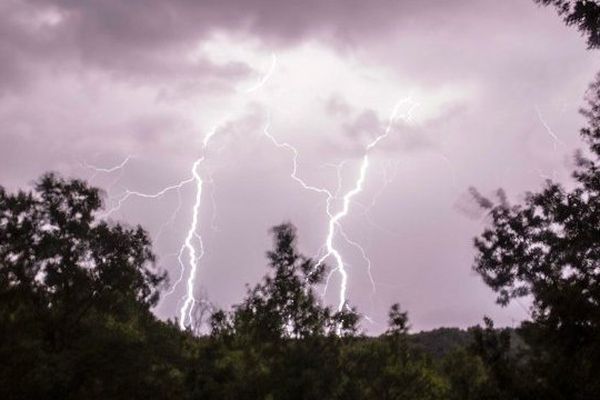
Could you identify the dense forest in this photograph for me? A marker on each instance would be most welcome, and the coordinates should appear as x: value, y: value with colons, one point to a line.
x: 77, y: 292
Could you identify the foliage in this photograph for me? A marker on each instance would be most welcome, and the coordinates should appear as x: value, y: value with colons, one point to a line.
x: 548, y: 249
x: 284, y: 305
x: 75, y: 299
x: 585, y: 14
x: 441, y: 341
x: 75, y: 320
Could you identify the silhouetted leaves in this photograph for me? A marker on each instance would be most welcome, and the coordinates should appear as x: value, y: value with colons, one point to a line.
x: 75, y: 299
x: 548, y: 249
x: 584, y: 14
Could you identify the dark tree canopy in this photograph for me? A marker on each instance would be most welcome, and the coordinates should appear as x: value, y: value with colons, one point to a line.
x: 284, y: 305
x: 75, y: 320
x: 584, y: 14
x: 397, y: 320
x: 283, y: 344
x: 548, y: 249
x: 54, y: 251
x: 75, y: 297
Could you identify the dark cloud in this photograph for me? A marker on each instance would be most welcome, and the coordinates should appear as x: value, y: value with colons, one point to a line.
x: 146, y: 39
x: 156, y: 23
x: 143, y: 40
x: 135, y: 41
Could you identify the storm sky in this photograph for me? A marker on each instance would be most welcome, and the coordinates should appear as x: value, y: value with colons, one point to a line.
x: 497, y: 87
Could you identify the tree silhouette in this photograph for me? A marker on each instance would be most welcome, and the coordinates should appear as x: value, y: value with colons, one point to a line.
x: 75, y: 298
x: 585, y: 14
x: 75, y: 321
x: 549, y: 249
x: 398, y: 320
x: 284, y: 305
x: 280, y: 342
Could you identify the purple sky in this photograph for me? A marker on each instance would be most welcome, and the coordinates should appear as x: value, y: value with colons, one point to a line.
x: 497, y: 83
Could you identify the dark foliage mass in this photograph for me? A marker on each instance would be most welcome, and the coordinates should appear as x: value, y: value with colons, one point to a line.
x: 76, y: 294
x: 75, y: 320
x: 548, y: 249
x: 75, y: 298
x: 75, y: 323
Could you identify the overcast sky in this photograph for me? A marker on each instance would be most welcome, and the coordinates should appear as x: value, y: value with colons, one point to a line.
x: 491, y: 91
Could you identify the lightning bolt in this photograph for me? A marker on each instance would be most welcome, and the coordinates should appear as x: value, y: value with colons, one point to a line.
x: 186, y: 310
x: 266, y: 76
x: 192, y: 249
x: 192, y: 245
x: 188, y: 246
x: 122, y: 198
x: 294, y: 151
x: 185, y: 313
x: 334, y: 218
x: 555, y: 140
x: 109, y: 169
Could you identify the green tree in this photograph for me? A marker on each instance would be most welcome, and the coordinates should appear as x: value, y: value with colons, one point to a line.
x: 397, y: 321
x: 493, y: 348
x: 466, y: 375
x: 284, y: 304
x: 75, y: 301
x: 387, y: 367
x: 549, y: 250
x: 280, y: 342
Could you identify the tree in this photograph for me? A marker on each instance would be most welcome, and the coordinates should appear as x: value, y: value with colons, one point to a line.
x: 585, y: 14
x: 75, y: 300
x: 466, y: 376
x: 549, y: 249
x: 493, y: 348
x: 388, y: 367
x: 280, y: 342
x: 284, y: 305
x: 397, y: 321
